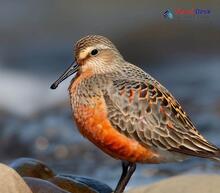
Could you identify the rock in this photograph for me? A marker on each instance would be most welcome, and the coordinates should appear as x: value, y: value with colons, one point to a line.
x: 94, y: 184
x: 11, y: 182
x: 29, y: 167
x: 74, y: 183
x: 183, y: 184
x: 40, y: 177
x: 42, y: 186
x: 71, y: 185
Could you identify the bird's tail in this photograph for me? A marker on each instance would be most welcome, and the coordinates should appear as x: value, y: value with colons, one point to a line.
x: 217, y: 156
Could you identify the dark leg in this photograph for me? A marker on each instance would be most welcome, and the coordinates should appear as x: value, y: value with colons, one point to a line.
x: 127, y: 171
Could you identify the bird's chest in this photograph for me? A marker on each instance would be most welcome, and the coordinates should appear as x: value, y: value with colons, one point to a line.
x: 93, y: 123
x: 91, y: 116
x: 87, y: 105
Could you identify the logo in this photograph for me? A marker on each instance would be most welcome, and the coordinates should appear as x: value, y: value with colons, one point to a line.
x: 186, y: 13
x: 168, y: 14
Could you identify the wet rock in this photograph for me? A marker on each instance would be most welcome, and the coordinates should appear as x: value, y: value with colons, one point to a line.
x: 95, y: 184
x: 11, y: 182
x: 42, y: 186
x: 71, y: 185
x: 74, y: 183
x: 28, y: 167
x: 32, y: 170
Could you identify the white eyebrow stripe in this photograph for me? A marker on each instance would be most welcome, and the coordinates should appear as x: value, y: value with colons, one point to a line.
x: 101, y: 46
x: 83, y: 54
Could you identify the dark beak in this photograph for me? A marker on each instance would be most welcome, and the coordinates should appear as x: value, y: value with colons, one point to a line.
x: 71, y: 70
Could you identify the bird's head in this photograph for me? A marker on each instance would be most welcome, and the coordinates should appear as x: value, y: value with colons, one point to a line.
x: 95, y: 54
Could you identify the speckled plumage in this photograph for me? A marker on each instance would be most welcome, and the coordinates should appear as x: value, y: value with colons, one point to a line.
x: 127, y: 113
x: 140, y: 108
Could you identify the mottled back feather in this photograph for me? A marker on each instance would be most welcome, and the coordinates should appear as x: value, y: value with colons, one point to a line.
x: 142, y: 109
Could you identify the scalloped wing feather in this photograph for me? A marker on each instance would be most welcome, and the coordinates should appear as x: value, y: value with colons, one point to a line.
x: 148, y: 113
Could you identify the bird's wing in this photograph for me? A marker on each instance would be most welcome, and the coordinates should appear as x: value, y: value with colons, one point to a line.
x: 148, y: 113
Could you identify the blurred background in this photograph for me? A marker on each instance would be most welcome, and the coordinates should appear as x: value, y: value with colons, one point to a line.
x: 36, y: 46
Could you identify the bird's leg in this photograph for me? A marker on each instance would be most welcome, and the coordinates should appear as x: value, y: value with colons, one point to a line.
x: 127, y: 171
x: 125, y: 166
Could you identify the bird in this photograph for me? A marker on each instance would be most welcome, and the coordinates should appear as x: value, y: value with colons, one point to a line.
x: 126, y: 112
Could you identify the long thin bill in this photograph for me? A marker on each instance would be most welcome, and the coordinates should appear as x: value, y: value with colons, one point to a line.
x: 71, y: 70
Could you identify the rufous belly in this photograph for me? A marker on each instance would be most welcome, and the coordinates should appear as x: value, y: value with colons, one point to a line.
x: 93, y: 123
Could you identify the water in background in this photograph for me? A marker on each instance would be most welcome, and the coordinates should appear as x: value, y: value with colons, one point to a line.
x: 36, y: 46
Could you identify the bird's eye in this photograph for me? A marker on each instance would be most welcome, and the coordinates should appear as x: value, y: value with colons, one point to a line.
x: 94, y: 52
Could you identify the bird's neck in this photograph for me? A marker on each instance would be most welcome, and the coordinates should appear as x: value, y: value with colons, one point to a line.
x: 78, y: 79
x: 85, y: 87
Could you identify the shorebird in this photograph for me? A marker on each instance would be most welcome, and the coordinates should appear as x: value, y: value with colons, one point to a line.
x: 126, y: 112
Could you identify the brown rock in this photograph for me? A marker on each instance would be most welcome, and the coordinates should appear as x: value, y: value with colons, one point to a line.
x: 29, y: 167
x: 42, y: 186
x: 11, y: 182
x: 71, y: 185
x: 83, y: 184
